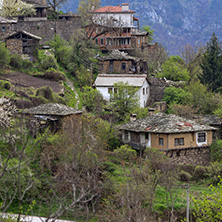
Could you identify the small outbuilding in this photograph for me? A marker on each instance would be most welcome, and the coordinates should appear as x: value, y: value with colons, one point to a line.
x: 55, y: 116
x: 23, y: 42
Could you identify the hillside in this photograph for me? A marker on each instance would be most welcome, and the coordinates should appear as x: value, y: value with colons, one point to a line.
x: 176, y: 22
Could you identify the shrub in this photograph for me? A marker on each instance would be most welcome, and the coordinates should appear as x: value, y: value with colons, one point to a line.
x: 215, y: 170
x: 216, y: 151
x: 48, y: 62
x: 63, y: 55
x: 45, y: 92
x: 16, y: 61
x: 4, y: 55
x: 185, y: 176
x: 188, y: 168
x: 200, y: 172
x: 125, y: 152
x: 108, y: 166
x: 54, y: 75
x: 5, y: 84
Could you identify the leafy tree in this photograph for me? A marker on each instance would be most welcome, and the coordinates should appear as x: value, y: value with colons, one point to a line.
x: 211, y: 65
x: 216, y: 151
x: 209, y: 208
x: 173, y: 95
x: 150, y: 31
x: 202, y: 99
x: 174, y: 69
x: 124, y: 99
x: 92, y: 99
x: 14, y: 8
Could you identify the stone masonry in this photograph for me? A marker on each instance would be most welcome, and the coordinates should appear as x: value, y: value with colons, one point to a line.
x: 65, y: 28
x: 199, y: 156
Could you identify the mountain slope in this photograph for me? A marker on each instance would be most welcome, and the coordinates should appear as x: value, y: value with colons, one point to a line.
x: 176, y: 22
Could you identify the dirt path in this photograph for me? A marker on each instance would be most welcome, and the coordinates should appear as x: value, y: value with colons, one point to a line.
x: 24, y: 80
x: 70, y: 84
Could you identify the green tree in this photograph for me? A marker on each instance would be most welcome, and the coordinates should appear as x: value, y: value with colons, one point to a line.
x: 14, y: 8
x: 211, y: 65
x: 209, y: 208
x: 92, y: 99
x: 216, y: 151
x: 124, y: 99
x: 175, y: 69
x: 150, y: 31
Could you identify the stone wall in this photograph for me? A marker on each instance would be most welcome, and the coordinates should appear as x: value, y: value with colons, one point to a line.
x: 199, y: 156
x: 15, y: 46
x: 44, y: 29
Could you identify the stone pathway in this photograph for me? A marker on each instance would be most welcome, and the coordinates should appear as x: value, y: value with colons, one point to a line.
x: 70, y: 84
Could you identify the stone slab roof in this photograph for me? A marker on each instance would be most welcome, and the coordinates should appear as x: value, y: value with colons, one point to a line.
x: 163, y: 123
x: 111, y: 79
x: 24, y: 32
x: 117, y: 55
x: 53, y: 109
x: 138, y: 32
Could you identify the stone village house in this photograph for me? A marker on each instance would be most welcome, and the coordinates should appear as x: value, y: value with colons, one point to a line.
x: 55, y: 116
x: 166, y: 133
x: 120, y: 62
x: 105, y: 84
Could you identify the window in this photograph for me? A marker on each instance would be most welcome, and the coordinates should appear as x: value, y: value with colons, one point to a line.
x: 161, y: 141
x: 96, y: 41
x: 138, y: 41
x: 146, y: 136
x: 179, y: 141
x: 115, y: 90
x: 102, y: 41
x: 123, y: 66
x: 201, y: 137
x: 126, y: 135
x: 143, y: 91
x: 147, y: 90
x: 3, y: 28
x: 110, y: 90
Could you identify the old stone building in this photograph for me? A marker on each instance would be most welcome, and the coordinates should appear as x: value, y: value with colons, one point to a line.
x: 23, y: 42
x: 118, y: 62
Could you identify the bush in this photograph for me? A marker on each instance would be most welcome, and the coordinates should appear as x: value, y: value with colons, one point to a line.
x: 108, y: 166
x: 54, y: 75
x: 200, y: 172
x: 16, y: 61
x: 5, y: 84
x: 215, y: 170
x: 185, y: 176
x: 188, y: 168
x: 48, y: 61
x: 216, y: 151
x: 63, y: 55
x: 45, y: 92
x: 125, y: 153
x: 4, y: 55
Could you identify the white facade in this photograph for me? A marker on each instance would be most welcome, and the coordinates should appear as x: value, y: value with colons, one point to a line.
x: 119, y: 16
x: 105, y: 84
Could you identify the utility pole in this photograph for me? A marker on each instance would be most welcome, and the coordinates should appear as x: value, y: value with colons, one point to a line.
x: 188, y: 203
x: 91, y: 74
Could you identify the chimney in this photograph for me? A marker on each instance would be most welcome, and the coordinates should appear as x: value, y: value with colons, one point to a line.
x: 125, y: 7
x: 151, y: 111
x: 133, y: 117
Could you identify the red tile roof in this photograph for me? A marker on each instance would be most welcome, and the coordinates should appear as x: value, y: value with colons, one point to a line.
x: 111, y: 9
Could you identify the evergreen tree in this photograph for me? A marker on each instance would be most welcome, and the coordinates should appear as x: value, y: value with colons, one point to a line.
x: 211, y: 65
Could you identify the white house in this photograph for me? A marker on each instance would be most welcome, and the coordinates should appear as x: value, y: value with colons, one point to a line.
x: 119, y: 15
x: 105, y: 84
